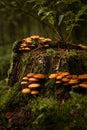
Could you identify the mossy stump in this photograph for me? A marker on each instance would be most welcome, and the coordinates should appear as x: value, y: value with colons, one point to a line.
x: 46, y: 60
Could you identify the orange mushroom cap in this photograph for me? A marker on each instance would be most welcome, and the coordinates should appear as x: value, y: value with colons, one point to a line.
x: 28, y: 40
x: 74, y: 76
x: 52, y: 76
x: 34, y: 37
x: 33, y: 79
x: 25, y: 78
x: 59, y: 77
x: 65, y: 73
x: 24, y: 83
x: 26, y: 90
x: 27, y: 48
x: 65, y: 79
x: 73, y: 81
x: 83, y: 85
x: 48, y: 40
x: 58, y: 82
x: 34, y: 92
x: 34, y: 85
x: 39, y: 76
x: 30, y: 75
x: 82, y: 76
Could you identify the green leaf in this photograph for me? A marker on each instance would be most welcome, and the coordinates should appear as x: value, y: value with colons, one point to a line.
x: 42, y: 10
x: 60, y: 19
x: 43, y: 17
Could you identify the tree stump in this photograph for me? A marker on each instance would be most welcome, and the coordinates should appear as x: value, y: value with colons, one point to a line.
x: 41, y: 55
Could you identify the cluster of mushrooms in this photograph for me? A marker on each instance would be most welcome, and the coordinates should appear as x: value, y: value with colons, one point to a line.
x: 34, y: 42
x: 66, y: 79
x: 32, y: 83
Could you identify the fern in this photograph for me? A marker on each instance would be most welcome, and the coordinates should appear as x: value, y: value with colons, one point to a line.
x: 61, y: 13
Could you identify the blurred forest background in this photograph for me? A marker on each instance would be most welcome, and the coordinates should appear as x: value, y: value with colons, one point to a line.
x: 20, y: 19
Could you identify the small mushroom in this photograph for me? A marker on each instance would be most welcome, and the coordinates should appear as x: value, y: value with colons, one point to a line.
x: 41, y: 38
x: 34, y: 37
x: 39, y: 76
x: 27, y: 49
x: 59, y: 77
x: 48, y: 40
x: 52, y: 76
x: 83, y: 85
x: 33, y: 80
x: 28, y: 40
x: 25, y: 78
x: 24, y: 83
x: 65, y: 79
x: 34, y: 92
x: 21, y: 48
x: 65, y: 73
x: 74, y: 76
x: 45, y: 41
x: 30, y: 75
x: 82, y: 76
x: 73, y: 81
x: 68, y: 76
x: 26, y: 90
x: 58, y: 82
x: 23, y: 45
x: 59, y: 73
x: 34, y: 85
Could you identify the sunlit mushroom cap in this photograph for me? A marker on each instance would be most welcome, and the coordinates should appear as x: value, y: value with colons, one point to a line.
x: 59, y: 73
x: 59, y: 77
x: 34, y: 92
x: 22, y: 48
x: 24, y: 83
x: 34, y: 85
x: 58, y: 82
x: 83, y: 85
x: 39, y: 76
x: 33, y: 79
x: 34, y: 37
x: 52, y: 76
x: 45, y: 40
x: 73, y: 81
x: 65, y: 79
x: 26, y: 90
x: 74, y: 76
x: 28, y: 40
x: 25, y: 78
x: 65, y: 73
x: 30, y: 75
x: 68, y: 76
x: 41, y: 38
x: 82, y: 76
x: 48, y: 40
x: 27, y: 49
x: 23, y: 45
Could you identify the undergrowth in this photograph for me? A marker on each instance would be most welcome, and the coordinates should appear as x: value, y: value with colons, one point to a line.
x: 46, y: 113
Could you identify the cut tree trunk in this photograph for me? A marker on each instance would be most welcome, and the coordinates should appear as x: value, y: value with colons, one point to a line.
x: 49, y: 59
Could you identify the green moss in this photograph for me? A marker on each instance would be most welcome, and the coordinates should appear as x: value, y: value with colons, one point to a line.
x: 47, y: 114
x: 51, y: 51
x: 45, y: 111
